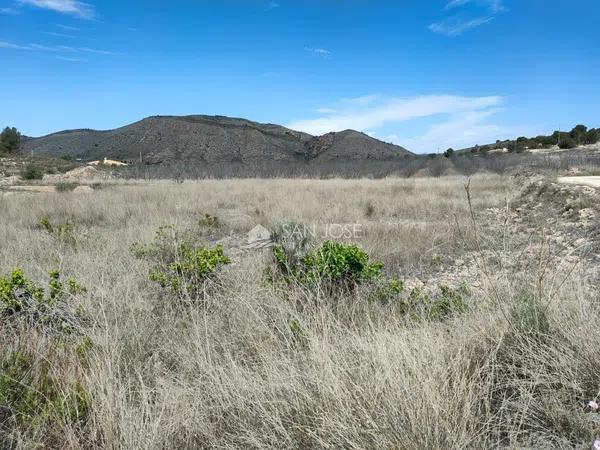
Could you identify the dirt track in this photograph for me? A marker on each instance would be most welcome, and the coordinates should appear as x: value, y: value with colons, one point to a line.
x: 586, y: 181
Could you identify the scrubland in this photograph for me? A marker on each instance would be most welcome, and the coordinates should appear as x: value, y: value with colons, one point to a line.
x: 489, y: 339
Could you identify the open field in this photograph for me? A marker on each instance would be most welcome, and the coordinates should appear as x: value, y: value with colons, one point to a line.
x: 491, y: 342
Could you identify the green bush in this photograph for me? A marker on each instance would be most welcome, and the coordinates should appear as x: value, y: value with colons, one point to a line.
x: 62, y: 231
x: 32, y: 172
x: 422, y: 305
x: 567, y: 143
x: 21, y: 299
x: 334, y: 266
x: 181, y: 265
x: 387, y: 292
x: 294, y: 240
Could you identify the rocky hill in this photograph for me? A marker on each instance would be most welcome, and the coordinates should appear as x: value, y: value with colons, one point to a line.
x: 207, y: 140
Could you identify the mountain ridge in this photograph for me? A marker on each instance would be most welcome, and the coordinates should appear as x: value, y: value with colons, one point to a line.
x: 209, y: 140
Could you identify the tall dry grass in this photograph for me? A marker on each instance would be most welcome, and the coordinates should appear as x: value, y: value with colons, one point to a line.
x: 233, y: 373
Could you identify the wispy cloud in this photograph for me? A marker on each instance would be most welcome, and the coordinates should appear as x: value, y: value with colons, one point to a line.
x: 61, y: 35
x: 494, y: 6
x: 471, y: 14
x: 455, y: 26
x: 71, y: 7
x: 272, y: 5
x: 9, y: 11
x: 69, y: 59
x: 324, y: 53
x: 55, y: 48
x: 378, y: 112
x: 66, y: 27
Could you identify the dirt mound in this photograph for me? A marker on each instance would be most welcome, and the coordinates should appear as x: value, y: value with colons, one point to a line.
x: 567, y: 215
x: 80, y: 174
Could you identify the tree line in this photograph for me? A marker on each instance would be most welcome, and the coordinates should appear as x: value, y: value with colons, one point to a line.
x: 579, y: 135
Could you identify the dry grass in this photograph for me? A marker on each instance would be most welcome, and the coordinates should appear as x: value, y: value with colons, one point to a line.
x: 232, y: 373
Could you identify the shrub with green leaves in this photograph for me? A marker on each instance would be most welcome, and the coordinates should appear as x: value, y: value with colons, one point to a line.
x: 21, y: 299
x: 32, y: 172
x: 387, y: 292
x: 62, y: 231
x: 334, y: 266
x: 294, y: 240
x: 180, y: 264
x: 424, y: 305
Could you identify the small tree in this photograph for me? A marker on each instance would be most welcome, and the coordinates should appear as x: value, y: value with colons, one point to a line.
x: 449, y: 153
x: 578, y: 133
x: 10, y: 140
x: 592, y: 136
x: 567, y: 143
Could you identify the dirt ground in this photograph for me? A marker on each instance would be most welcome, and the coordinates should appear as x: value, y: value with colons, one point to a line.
x: 583, y: 181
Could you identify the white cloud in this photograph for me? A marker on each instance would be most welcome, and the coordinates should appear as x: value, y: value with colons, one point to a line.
x: 9, y: 11
x: 378, y: 113
x: 54, y: 48
x: 318, y: 51
x: 61, y: 35
x: 69, y: 59
x: 11, y: 46
x: 459, y: 131
x: 494, y: 6
x: 458, y: 23
x: 271, y: 5
x: 71, y: 7
x: 448, y: 120
x: 67, y: 27
x: 455, y: 26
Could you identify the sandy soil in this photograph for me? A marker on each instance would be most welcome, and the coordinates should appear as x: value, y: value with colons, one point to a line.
x: 585, y: 181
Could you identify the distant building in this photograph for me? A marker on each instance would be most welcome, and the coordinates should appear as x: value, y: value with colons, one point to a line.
x: 107, y: 162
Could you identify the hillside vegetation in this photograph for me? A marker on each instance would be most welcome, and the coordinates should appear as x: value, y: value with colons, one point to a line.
x: 578, y: 136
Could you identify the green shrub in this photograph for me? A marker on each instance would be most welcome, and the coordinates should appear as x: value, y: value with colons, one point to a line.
x: 450, y: 302
x: 334, y: 266
x: 567, y: 143
x: 180, y: 264
x: 32, y: 172
x: 293, y: 241
x: 420, y: 304
x: 21, y: 299
x: 61, y: 231
x: 387, y: 292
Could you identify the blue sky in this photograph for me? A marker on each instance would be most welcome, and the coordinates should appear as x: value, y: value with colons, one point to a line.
x: 424, y: 74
